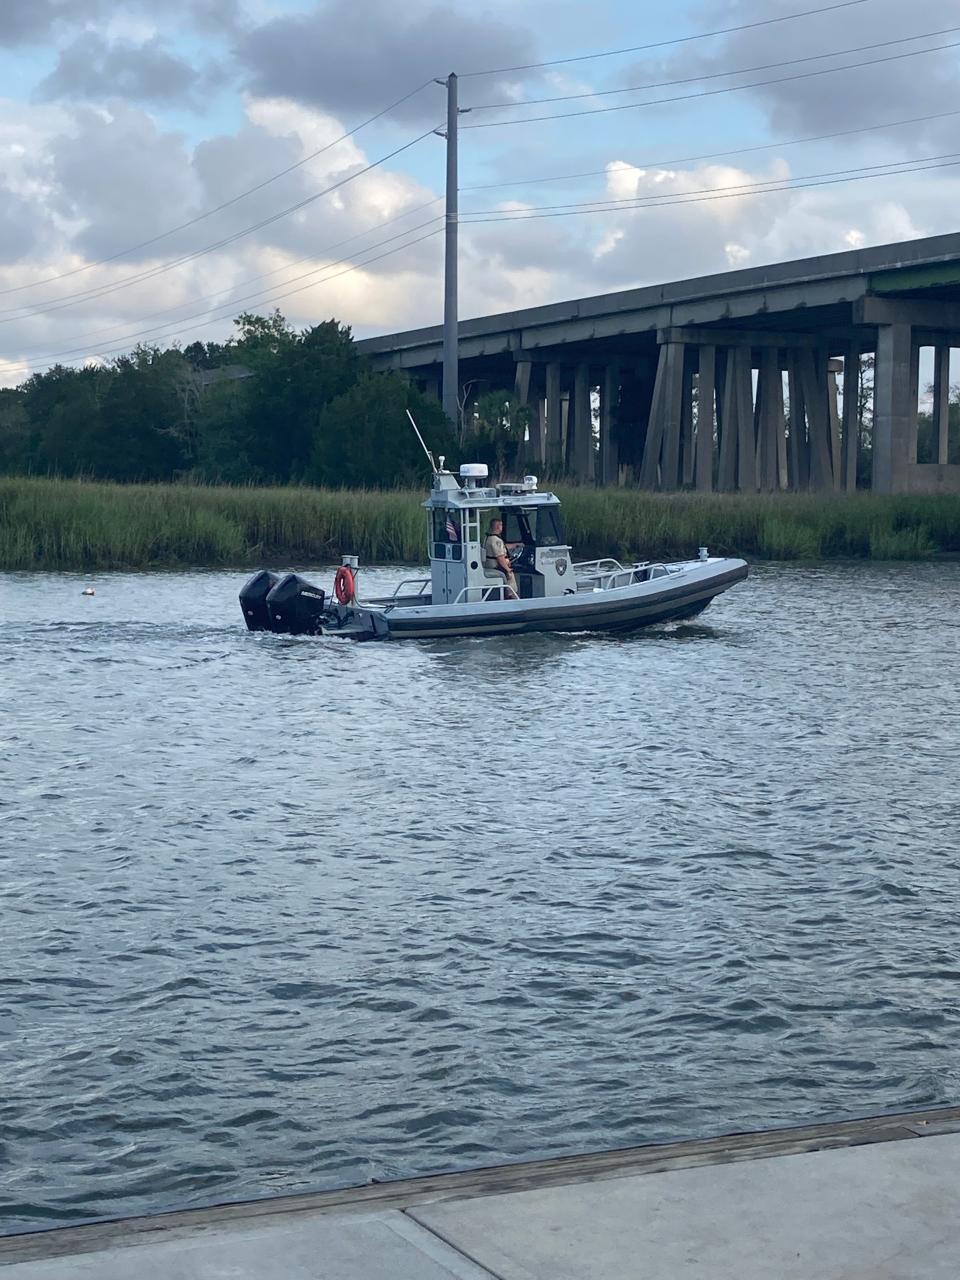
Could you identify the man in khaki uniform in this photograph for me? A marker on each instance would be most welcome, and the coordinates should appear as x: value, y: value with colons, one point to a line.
x: 495, y: 556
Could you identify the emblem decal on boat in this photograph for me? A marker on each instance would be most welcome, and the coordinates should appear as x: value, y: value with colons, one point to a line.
x: 561, y: 567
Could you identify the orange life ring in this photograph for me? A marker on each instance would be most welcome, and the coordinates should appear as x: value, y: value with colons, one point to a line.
x: 344, y: 585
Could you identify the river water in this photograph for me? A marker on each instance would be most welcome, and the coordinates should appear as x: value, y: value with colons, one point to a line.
x: 281, y: 914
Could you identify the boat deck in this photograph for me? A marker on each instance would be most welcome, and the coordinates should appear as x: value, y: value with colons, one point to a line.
x: 856, y: 1199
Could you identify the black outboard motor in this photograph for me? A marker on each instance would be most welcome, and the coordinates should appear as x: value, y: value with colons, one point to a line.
x: 253, y: 600
x: 296, y: 606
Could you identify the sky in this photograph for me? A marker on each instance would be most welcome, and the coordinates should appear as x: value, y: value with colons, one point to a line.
x: 165, y: 166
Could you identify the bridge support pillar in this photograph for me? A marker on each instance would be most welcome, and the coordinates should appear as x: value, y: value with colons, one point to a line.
x: 770, y: 422
x: 895, y: 408
x: 633, y: 417
x: 703, y: 449
x: 691, y: 362
x: 941, y: 402
x: 738, y: 453
x: 554, y: 420
x: 727, y: 462
x: 746, y: 431
x: 581, y: 453
x: 609, y: 400
x: 798, y: 455
x: 529, y: 391
x: 813, y: 383
x: 661, y: 455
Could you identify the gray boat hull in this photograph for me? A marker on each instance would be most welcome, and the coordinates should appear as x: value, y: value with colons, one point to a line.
x: 680, y: 595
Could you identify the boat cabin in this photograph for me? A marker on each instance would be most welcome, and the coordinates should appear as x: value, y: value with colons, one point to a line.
x: 459, y: 511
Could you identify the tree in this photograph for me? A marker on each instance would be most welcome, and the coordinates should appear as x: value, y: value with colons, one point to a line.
x: 496, y: 429
x: 16, y: 442
x: 363, y: 437
x: 295, y: 376
x: 66, y: 431
x: 865, y: 421
x: 928, y: 443
x: 147, y: 415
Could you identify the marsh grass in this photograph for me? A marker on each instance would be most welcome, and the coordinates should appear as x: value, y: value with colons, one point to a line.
x: 71, y: 524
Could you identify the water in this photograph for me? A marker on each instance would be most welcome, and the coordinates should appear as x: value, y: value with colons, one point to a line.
x: 281, y: 914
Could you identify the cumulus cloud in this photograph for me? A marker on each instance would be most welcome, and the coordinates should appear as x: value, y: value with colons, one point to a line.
x: 94, y: 182
x: 118, y: 177
x: 349, y: 57
x: 79, y: 183
x: 92, y: 67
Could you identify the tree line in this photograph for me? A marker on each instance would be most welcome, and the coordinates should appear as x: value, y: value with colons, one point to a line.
x: 269, y: 406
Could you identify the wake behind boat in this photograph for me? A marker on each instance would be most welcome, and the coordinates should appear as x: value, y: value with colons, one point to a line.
x: 538, y: 587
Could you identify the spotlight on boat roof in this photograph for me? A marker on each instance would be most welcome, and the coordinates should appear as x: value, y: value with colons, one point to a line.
x: 471, y: 472
x: 530, y: 483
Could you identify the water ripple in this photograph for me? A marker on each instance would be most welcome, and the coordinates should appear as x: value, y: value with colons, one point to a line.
x: 280, y: 914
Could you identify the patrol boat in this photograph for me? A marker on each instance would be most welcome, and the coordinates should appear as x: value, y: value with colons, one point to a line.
x: 463, y: 598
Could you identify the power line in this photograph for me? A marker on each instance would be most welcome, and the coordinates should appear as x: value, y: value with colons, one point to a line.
x: 713, y: 75
x: 163, y: 235
x: 710, y: 93
x: 42, y: 363
x: 891, y: 167
x: 661, y: 44
x: 663, y: 201
x: 319, y: 253
x: 22, y: 313
x: 206, y: 315
x: 711, y: 155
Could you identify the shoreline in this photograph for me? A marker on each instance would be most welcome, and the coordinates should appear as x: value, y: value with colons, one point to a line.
x: 85, y: 526
x: 624, y: 1198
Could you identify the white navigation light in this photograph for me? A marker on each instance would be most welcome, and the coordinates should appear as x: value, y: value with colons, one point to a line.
x: 530, y: 483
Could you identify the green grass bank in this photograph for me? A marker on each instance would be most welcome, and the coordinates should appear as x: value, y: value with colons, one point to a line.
x: 71, y: 524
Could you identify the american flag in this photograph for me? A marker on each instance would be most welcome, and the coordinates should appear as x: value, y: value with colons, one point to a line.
x: 453, y: 533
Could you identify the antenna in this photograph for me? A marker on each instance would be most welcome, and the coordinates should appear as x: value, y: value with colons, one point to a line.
x: 433, y: 465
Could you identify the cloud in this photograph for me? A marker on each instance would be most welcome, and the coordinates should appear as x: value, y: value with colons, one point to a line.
x: 118, y: 178
x: 355, y: 58
x: 25, y: 22
x: 93, y: 68
x: 23, y: 223
x: 80, y: 183
x: 91, y: 182
x: 895, y: 88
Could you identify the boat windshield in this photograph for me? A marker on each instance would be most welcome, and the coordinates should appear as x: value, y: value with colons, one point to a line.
x: 537, y: 526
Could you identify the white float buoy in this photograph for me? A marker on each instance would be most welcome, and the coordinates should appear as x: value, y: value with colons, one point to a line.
x: 88, y: 591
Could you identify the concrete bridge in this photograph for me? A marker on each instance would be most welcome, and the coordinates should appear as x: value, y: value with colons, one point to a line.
x: 747, y: 380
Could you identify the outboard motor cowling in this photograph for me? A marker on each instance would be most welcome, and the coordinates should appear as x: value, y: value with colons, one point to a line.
x: 296, y: 606
x: 253, y: 600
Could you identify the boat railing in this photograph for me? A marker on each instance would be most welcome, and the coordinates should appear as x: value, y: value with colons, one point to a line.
x: 478, y: 595
x: 604, y: 575
x: 607, y: 575
x: 597, y: 566
x: 420, y: 583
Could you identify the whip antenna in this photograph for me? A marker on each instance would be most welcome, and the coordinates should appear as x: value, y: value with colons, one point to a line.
x: 433, y: 465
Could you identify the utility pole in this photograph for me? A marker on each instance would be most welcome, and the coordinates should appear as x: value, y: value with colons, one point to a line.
x: 451, y: 378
